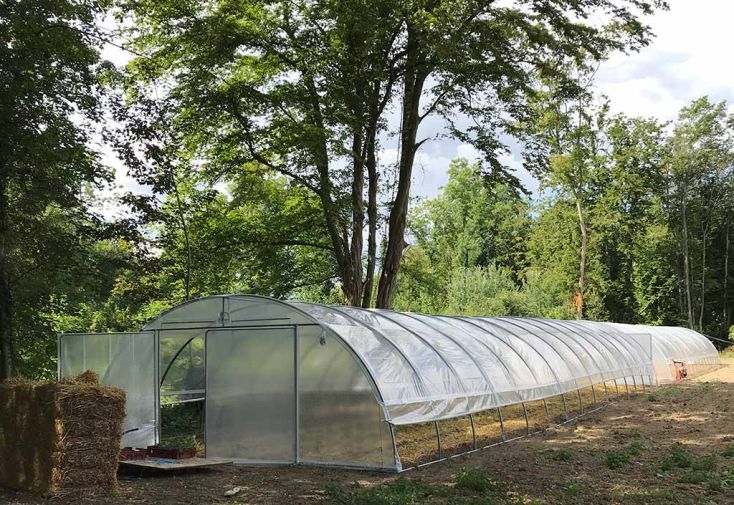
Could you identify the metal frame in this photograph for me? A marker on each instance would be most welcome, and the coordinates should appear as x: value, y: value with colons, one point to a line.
x: 503, y: 436
x: 604, y: 353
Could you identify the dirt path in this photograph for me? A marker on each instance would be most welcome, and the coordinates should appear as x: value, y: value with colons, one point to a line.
x: 564, y: 465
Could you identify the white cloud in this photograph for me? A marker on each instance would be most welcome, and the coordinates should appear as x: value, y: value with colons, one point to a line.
x: 688, y: 58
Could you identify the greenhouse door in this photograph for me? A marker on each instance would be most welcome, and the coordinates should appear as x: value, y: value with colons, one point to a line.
x: 251, y: 394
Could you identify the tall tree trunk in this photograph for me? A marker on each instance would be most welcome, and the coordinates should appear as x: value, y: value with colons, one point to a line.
x: 414, y: 78
x: 727, y: 315
x: 355, y: 297
x: 187, y: 241
x: 6, y: 297
x: 703, y: 279
x: 582, y: 264
x: 686, y: 260
x: 372, y: 218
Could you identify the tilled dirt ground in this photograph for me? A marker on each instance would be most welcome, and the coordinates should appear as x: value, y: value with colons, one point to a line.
x: 568, y: 464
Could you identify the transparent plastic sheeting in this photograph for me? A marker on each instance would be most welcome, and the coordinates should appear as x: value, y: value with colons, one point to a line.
x: 126, y: 360
x: 669, y: 343
x: 428, y: 368
x: 297, y: 381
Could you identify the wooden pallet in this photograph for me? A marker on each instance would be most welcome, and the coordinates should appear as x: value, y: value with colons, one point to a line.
x: 174, y: 464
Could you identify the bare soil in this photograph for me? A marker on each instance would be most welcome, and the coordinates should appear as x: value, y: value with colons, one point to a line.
x: 698, y: 414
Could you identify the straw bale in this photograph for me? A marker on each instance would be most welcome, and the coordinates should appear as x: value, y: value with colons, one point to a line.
x: 60, y: 437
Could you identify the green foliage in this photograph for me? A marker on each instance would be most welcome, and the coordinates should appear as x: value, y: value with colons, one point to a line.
x: 572, y: 488
x: 180, y: 442
x: 728, y: 452
x: 401, y: 491
x: 615, y: 460
x: 705, y: 463
x: 635, y: 448
x: 562, y: 454
x: 477, y: 480
x: 677, y: 457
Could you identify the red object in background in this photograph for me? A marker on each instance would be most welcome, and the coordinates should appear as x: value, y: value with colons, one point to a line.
x: 681, y: 371
x: 130, y: 453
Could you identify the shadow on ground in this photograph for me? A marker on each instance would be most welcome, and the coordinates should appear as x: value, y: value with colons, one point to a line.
x: 672, y: 445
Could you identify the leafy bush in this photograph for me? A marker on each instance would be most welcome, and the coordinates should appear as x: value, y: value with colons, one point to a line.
x: 616, y: 459
x: 652, y: 398
x: 476, y: 479
x: 180, y: 442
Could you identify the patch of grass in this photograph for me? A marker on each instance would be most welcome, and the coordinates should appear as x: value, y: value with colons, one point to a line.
x: 677, y: 457
x: 402, y: 491
x: 705, y: 463
x: 652, y: 398
x: 728, y: 452
x: 635, y: 448
x: 693, y: 477
x: 484, y: 500
x: 572, y: 488
x: 562, y: 454
x: 477, y: 480
x: 616, y: 459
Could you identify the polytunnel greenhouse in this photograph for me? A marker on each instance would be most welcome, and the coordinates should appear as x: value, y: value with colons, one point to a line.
x: 297, y: 382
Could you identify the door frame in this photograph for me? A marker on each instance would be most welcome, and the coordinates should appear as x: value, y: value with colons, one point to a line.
x: 296, y: 420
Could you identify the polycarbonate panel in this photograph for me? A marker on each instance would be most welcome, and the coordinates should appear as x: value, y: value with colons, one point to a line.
x: 200, y: 313
x: 71, y: 355
x: 250, y: 399
x: 669, y: 344
x: 126, y: 360
x: 182, y: 362
x: 396, y: 376
x: 340, y: 419
x: 256, y: 310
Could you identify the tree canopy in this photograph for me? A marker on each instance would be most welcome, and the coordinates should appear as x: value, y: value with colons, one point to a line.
x: 258, y: 131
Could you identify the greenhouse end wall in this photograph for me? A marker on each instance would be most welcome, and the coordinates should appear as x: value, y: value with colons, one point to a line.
x: 298, y: 382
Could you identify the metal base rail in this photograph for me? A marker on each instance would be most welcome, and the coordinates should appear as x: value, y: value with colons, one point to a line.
x: 527, y: 434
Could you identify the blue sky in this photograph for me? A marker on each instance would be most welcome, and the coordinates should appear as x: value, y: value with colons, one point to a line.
x: 691, y: 56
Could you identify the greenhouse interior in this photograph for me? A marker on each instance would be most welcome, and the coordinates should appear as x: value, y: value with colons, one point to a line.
x: 288, y: 382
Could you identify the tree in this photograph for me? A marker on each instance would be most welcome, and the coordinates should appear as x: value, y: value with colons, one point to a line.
x: 630, y: 198
x: 304, y: 88
x: 701, y: 150
x: 48, y: 73
x: 570, y: 158
x: 473, y: 222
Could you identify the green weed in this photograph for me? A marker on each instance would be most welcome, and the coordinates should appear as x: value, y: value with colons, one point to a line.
x: 635, y: 448
x: 402, y: 491
x: 728, y: 452
x: 694, y: 477
x: 562, y: 454
x: 476, y: 479
x: 616, y: 459
x: 705, y: 463
x: 572, y: 488
x: 678, y: 457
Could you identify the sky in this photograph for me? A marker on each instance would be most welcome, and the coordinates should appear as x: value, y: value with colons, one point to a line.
x: 689, y: 57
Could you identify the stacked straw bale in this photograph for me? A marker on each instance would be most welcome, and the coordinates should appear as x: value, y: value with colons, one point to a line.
x: 56, y: 438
